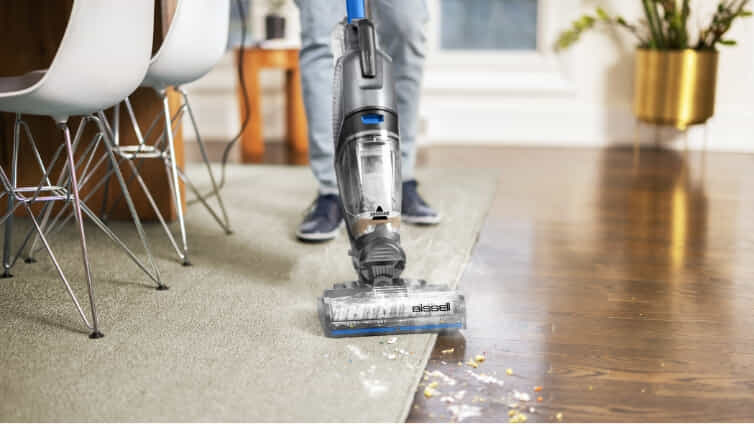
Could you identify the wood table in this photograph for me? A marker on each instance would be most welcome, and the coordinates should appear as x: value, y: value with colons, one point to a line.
x: 252, y: 142
x: 31, y: 31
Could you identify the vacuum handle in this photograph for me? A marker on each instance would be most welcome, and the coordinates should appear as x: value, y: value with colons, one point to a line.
x: 356, y: 10
x: 368, y: 49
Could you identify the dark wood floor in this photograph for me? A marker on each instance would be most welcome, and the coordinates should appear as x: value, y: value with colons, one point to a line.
x: 625, y: 292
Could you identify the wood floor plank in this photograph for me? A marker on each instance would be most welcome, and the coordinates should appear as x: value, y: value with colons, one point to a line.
x: 626, y: 293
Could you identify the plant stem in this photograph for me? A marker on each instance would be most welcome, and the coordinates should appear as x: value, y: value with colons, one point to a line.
x: 652, y: 20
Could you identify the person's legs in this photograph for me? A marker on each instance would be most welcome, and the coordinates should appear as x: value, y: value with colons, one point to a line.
x: 400, y: 33
x: 318, y: 20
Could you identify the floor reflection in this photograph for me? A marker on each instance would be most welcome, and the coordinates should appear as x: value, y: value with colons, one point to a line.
x: 623, y: 290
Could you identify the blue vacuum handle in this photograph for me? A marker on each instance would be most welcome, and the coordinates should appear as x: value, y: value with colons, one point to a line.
x: 355, y: 10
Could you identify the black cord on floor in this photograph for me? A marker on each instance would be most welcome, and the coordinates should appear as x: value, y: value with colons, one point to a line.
x: 242, y: 81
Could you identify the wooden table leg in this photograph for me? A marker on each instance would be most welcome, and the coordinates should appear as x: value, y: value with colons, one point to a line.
x: 252, y: 141
x: 296, y: 125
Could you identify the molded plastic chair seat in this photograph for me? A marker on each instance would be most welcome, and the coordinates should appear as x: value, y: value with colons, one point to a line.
x: 9, y: 86
x: 102, y: 58
x: 195, y: 42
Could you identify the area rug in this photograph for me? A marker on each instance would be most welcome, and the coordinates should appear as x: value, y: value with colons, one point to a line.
x: 236, y: 338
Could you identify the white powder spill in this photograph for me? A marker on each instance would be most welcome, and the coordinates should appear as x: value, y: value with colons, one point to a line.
x: 487, y: 379
x: 373, y: 386
x: 390, y: 356
x: 460, y: 394
x: 357, y: 352
x: 392, y: 340
x: 524, y: 397
x: 463, y: 411
x: 438, y: 374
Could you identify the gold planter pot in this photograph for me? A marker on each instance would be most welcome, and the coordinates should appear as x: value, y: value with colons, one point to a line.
x: 675, y: 87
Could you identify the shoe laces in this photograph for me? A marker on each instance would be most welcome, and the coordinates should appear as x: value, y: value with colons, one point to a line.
x: 322, y: 205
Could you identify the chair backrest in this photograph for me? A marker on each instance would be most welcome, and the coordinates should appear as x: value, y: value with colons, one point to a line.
x: 102, y: 58
x: 195, y: 42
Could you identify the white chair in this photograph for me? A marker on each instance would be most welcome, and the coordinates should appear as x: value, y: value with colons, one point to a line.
x: 195, y: 42
x: 102, y: 58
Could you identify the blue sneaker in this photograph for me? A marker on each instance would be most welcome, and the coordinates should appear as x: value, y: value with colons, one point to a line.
x: 323, y: 219
x: 414, y: 209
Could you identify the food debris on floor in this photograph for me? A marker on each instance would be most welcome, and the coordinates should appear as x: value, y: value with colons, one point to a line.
x: 484, y: 378
x: 509, y: 371
x: 448, y: 351
x: 520, y: 396
x: 439, y: 374
x: 559, y: 416
x: 392, y: 340
x: 472, y: 364
x: 539, y: 388
x: 479, y: 358
x: 539, y: 399
x: 518, y: 418
x: 430, y: 391
x: 447, y: 399
x: 463, y: 411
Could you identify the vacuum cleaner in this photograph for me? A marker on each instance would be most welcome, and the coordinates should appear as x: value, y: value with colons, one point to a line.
x: 368, y: 169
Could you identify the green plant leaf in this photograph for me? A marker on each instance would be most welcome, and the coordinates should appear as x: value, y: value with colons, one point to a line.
x: 602, y: 14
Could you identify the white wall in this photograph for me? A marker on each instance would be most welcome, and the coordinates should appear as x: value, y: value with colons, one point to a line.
x: 579, y: 98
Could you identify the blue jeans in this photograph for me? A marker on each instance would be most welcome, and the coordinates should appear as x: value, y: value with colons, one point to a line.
x: 400, y: 33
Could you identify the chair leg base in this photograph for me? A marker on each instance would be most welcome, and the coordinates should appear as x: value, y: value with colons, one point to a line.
x: 6, y: 274
x: 162, y: 287
x: 96, y: 335
x: 186, y: 262
x: 228, y: 232
x: 30, y: 260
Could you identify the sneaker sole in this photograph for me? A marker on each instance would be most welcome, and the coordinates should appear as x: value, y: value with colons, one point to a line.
x: 422, y: 220
x: 319, y: 236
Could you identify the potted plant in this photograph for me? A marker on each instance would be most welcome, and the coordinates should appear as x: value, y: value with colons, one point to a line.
x: 274, y: 21
x: 676, y: 71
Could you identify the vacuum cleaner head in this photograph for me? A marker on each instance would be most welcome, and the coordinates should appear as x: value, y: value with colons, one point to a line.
x: 409, y: 306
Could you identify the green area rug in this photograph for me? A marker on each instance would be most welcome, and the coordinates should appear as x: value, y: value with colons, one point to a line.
x: 237, y: 335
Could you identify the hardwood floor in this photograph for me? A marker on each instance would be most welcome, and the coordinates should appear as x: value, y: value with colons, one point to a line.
x: 625, y: 292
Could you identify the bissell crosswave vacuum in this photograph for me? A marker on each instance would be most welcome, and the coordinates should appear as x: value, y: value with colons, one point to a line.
x: 368, y: 168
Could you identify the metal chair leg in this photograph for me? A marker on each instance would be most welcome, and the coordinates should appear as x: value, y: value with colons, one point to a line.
x: 11, y: 198
x: 62, y: 180
x: 215, y: 190
x: 132, y: 209
x: 173, y: 174
x: 59, y: 270
x: 80, y: 222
